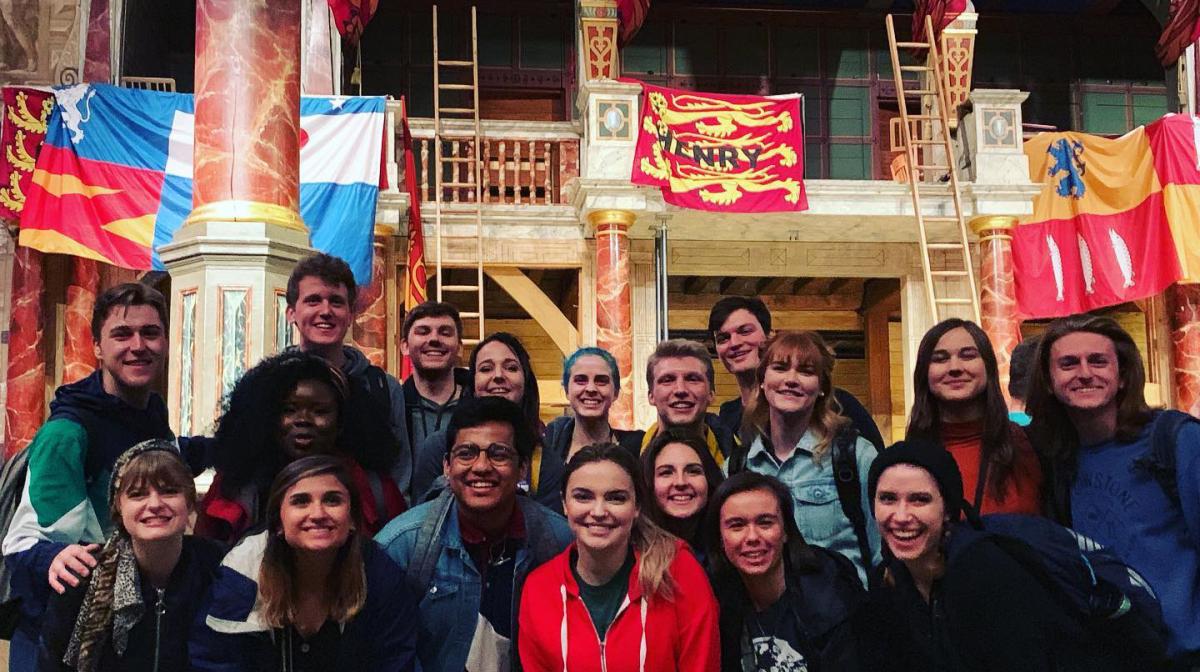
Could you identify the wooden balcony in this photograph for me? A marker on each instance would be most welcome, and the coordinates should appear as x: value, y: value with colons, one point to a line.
x: 523, y: 163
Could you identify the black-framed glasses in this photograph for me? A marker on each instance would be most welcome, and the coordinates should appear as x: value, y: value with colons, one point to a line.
x: 498, y: 454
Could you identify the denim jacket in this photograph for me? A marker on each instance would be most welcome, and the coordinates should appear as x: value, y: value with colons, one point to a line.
x: 814, y: 492
x: 449, y: 607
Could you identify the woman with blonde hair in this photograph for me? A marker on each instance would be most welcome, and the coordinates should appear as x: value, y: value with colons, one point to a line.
x: 311, y: 591
x: 794, y: 430
x: 134, y: 611
x: 626, y: 595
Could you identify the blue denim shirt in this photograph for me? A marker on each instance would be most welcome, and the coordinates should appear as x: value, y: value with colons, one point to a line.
x: 449, y: 609
x: 814, y: 492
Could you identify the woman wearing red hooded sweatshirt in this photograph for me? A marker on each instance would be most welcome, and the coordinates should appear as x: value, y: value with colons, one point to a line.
x: 626, y: 595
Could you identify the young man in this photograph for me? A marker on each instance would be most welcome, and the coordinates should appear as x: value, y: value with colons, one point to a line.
x: 320, y: 302
x: 467, y: 553
x: 64, y: 509
x: 681, y: 381
x: 1117, y: 471
x: 1019, y: 364
x: 431, y: 338
x: 740, y: 326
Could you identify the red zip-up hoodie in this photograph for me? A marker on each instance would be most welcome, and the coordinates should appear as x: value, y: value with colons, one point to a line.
x: 649, y: 633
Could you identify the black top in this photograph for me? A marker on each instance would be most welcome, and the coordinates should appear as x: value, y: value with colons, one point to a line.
x: 171, y: 622
x: 852, y: 408
x: 776, y: 638
x: 426, y: 417
x: 986, y: 613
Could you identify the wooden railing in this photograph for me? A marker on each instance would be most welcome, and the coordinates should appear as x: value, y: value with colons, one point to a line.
x: 524, y: 162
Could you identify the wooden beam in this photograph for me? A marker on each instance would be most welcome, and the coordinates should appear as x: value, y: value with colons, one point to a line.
x: 881, y: 294
x: 839, y: 284
x: 770, y: 285
x: 776, y: 302
x: 694, y: 284
x: 726, y: 284
x: 879, y: 369
x: 539, y: 306
x: 799, y: 284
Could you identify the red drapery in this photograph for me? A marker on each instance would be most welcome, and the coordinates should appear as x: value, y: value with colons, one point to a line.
x: 1182, y: 29
x: 633, y: 15
x: 943, y: 13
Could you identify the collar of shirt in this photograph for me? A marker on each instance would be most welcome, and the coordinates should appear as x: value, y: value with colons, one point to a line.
x: 762, y: 449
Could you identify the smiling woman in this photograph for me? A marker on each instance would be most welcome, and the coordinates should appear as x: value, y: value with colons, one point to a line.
x: 147, y: 567
x: 285, y: 408
x: 311, y: 587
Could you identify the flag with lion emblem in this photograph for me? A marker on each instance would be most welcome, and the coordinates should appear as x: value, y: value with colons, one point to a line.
x: 723, y: 153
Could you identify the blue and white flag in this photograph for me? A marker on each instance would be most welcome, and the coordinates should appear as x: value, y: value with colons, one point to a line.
x: 341, y: 147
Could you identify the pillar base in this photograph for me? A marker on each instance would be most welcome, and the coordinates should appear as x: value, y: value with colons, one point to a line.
x: 228, y: 285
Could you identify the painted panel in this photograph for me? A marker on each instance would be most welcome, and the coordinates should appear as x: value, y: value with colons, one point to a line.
x: 284, y: 334
x: 234, y: 333
x: 187, y: 362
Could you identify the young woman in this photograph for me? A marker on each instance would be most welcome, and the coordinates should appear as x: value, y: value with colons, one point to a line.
x: 311, y: 591
x: 957, y: 402
x: 785, y: 605
x: 795, y: 432
x: 592, y: 383
x: 499, y: 367
x: 134, y: 611
x: 289, y: 406
x: 966, y: 605
x: 626, y: 595
x: 682, y: 474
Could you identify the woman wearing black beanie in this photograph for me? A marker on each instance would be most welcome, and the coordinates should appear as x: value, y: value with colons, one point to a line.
x: 967, y: 605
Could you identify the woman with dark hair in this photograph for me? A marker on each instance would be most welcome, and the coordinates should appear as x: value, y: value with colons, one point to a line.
x: 499, y: 367
x: 592, y: 383
x: 310, y: 592
x: 794, y: 430
x: 624, y: 595
x: 785, y: 605
x: 682, y: 475
x: 289, y: 406
x: 134, y: 611
x: 957, y: 402
x: 953, y: 597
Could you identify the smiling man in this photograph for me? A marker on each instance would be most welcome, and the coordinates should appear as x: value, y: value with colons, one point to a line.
x: 741, y: 327
x: 63, y: 515
x: 320, y: 303
x: 1119, y: 472
x: 467, y: 553
x: 681, y: 381
x: 431, y: 338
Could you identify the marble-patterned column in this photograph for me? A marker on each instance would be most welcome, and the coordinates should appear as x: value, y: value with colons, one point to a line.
x: 614, y: 309
x: 998, y: 296
x: 247, y: 152
x: 79, y: 357
x: 1184, y: 304
x: 97, y: 58
x: 25, y: 406
x: 370, y: 322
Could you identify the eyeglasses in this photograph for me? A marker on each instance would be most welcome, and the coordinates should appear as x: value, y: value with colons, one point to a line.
x: 498, y: 454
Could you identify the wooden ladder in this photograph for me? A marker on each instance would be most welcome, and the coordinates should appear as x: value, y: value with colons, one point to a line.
x: 450, y: 165
x: 933, y: 121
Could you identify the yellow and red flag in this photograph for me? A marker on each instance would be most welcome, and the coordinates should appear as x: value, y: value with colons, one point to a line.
x: 25, y: 114
x: 416, y: 280
x: 1174, y: 141
x: 724, y: 153
x: 1099, y: 233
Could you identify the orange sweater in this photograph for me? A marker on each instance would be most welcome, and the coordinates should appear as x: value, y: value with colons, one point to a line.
x: 1022, y: 493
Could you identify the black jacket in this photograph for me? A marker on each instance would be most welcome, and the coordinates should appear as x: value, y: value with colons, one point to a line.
x: 182, y: 598
x: 831, y: 607
x: 987, y: 613
x: 557, y: 437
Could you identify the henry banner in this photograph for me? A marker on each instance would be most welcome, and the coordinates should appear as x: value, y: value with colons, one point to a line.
x: 724, y: 153
x: 25, y: 113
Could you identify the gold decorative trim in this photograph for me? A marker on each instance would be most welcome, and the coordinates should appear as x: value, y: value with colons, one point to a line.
x: 993, y: 225
x: 621, y: 218
x: 247, y: 211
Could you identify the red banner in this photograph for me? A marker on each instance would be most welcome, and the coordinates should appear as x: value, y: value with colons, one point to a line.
x: 633, y: 15
x: 351, y: 16
x: 943, y: 13
x: 724, y: 153
x: 25, y: 113
x: 416, y: 280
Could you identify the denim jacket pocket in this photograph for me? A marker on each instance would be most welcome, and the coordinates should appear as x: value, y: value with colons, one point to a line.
x: 818, y: 512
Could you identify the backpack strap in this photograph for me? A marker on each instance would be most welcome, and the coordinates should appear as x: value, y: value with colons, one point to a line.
x: 1159, y: 460
x: 375, y: 482
x: 428, y: 545
x: 849, y: 489
x: 377, y: 387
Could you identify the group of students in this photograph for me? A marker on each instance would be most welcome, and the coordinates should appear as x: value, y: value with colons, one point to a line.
x: 358, y: 523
